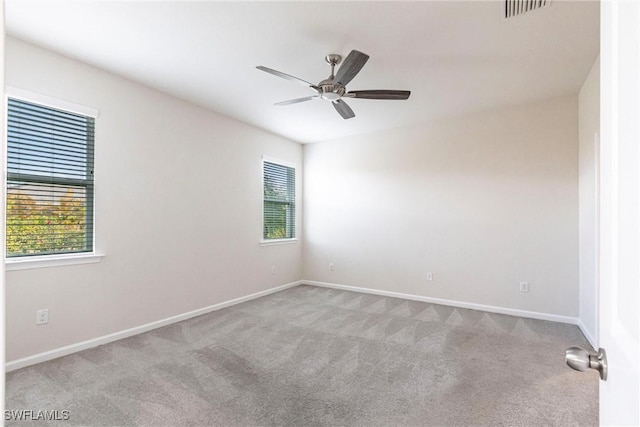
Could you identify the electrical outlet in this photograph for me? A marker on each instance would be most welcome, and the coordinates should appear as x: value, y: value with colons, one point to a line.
x: 42, y: 317
x: 331, y: 266
x: 524, y: 287
x: 273, y: 269
x: 429, y: 276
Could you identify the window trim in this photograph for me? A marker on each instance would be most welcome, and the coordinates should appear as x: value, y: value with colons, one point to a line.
x: 272, y: 242
x: 284, y: 241
x: 43, y: 261
x: 48, y: 260
x: 49, y: 101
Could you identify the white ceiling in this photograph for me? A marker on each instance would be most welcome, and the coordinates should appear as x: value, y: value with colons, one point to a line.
x: 454, y: 56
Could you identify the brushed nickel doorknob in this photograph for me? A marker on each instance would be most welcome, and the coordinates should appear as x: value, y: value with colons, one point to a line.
x: 582, y: 360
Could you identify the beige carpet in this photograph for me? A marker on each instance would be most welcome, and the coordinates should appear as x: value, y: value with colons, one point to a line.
x: 311, y: 356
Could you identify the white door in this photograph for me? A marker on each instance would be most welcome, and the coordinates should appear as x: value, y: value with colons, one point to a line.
x: 619, y: 261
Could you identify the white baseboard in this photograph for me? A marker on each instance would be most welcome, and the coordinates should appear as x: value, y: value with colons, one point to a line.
x: 94, y: 342
x: 587, y: 334
x: 453, y: 303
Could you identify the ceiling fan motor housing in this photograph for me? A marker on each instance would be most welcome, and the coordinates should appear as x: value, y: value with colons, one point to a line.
x: 330, y: 91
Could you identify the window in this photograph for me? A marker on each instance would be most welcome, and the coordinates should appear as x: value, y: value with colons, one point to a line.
x: 279, y: 203
x: 49, y: 180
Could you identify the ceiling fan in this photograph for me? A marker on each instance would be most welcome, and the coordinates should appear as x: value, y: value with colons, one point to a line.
x: 334, y: 88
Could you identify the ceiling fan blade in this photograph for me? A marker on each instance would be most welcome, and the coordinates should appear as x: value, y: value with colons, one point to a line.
x: 379, y: 94
x: 351, y: 66
x: 297, y: 100
x: 287, y: 76
x: 343, y: 109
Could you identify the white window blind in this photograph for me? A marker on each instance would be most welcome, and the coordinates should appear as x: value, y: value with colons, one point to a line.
x: 50, y: 158
x: 279, y: 204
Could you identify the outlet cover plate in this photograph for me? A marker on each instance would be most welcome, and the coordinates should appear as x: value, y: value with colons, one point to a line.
x: 42, y: 317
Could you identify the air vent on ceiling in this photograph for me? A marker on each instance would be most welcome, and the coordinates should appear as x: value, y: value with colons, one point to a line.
x: 518, y: 7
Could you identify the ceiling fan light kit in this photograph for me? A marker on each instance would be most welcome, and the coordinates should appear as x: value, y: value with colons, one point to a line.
x: 334, y: 88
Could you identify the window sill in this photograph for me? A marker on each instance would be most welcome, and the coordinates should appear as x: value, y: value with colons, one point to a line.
x: 50, y: 261
x: 278, y: 242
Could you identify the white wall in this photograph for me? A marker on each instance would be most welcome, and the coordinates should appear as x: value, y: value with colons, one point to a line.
x: 483, y: 201
x: 589, y: 119
x: 178, y: 211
